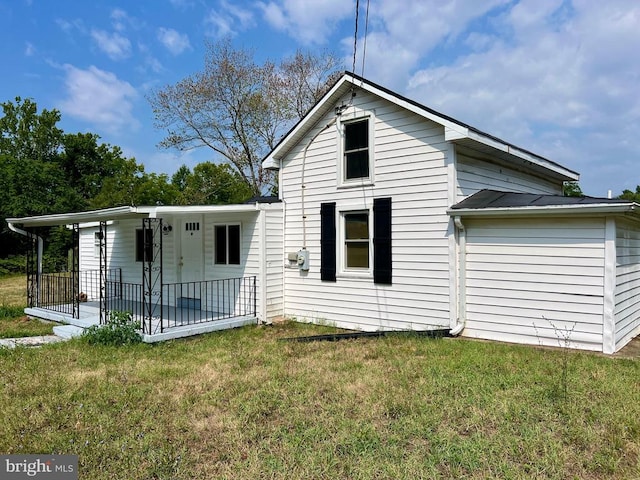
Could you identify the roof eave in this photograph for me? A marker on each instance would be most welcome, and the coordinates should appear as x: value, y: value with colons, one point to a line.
x: 547, y: 210
x: 76, y: 217
x: 568, y: 175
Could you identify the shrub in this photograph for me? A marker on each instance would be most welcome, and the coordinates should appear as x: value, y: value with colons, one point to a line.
x: 119, y: 330
x: 13, y: 265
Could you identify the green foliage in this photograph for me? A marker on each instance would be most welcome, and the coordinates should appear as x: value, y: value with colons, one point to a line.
x: 44, y: 170
x: 630, y: 195
x: 119, y: 330
x: 13, y: 264
x: 210, y: 184
x: 572, y: 189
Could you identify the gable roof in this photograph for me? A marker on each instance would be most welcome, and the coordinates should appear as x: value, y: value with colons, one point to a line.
x: 493, y: 202
x: 455, y: 130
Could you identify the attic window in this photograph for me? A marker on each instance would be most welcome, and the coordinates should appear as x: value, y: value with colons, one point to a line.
x: 356, y: 150
x: 356, y: 156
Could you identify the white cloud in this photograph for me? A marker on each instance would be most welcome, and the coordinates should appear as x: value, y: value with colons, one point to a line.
x: 402, y: 35
x: 114, y: 45
x: 100, y: 98
x: 121, y: 20
x: 68, y: 26
x: 29, y: 49
x: 308, y: 21
x: 173, y: 41
x: 555, y: 80
x: 228, y: 19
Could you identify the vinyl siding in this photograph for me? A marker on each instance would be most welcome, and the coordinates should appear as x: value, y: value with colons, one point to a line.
x: 475, y: 174
x: 536, y: 281
x: 410, y: 168
x: 627, y: 291
x: 274, y: 263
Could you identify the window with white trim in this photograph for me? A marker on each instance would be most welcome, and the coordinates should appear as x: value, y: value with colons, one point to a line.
x: 356, y: 241
x: 227, y: 244
x: 356, y: 163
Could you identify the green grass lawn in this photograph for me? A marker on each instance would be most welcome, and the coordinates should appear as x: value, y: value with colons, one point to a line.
x: 242, y: 405
x: 13, y: 322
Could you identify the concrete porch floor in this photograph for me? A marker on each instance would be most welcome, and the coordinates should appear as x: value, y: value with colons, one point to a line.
x: 176, y: 322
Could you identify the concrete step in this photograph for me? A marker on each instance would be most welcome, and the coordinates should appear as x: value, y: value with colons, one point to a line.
x: 68, y: 331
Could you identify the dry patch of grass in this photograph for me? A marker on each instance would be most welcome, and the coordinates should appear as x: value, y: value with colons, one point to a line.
x: 13, y: 290
x: 240, y: 404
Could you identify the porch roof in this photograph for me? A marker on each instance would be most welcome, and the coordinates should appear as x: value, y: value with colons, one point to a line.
x: 131, y: 212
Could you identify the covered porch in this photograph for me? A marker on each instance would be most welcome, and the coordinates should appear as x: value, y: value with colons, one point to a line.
x: 161, y: 309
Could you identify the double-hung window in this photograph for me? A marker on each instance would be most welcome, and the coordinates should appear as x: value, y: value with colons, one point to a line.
x: 357, y: 240
x: 227, y: 244
x: 356, y: 151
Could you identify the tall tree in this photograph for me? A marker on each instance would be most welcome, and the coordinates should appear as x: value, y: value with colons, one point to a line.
x: 239, y: 108
x: 210, y: 184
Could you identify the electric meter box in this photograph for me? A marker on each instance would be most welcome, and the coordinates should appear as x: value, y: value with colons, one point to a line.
x: 303, y: 260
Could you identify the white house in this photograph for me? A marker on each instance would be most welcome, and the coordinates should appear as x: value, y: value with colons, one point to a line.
x: 391, y: 216
x: 399, y: 210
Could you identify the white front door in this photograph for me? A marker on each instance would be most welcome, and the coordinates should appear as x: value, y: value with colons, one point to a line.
x: 191, y: 245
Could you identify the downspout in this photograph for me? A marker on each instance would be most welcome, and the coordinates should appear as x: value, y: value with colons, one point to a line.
x: 19, y: 231
x: 262, y: 271
x: 284, y: 238
x: 462, y: 277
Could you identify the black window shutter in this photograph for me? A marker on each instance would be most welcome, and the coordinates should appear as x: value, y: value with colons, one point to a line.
x: 382, y: 240
x: 328, y: 242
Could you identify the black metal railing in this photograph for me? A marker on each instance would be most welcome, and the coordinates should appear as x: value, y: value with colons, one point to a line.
x: 186, y: 303
x: 196, y: 302
x: 59, y: 291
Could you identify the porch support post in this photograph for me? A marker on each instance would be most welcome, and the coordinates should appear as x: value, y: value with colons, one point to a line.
x: 104, y: 311
x: 152, y: 288
x: 34, y: 267
x: 75, y: 271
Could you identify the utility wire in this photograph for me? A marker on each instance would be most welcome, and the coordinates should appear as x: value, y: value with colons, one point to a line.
x: 355, y: 39
x: 366, y: 31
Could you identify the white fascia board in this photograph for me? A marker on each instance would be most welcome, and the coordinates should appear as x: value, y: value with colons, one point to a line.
x: 597, y: 208
x: 186, y: 210
x: 517, y: 152
x: 77, y: 217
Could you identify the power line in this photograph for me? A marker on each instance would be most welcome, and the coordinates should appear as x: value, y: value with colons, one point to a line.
x: 355, y: 39
x: 366, y: 31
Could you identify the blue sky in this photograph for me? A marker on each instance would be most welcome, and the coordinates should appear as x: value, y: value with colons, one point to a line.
x: 558, y: 77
